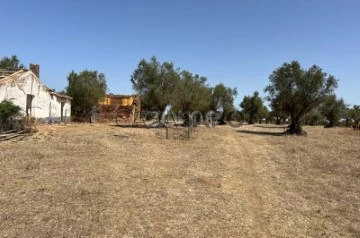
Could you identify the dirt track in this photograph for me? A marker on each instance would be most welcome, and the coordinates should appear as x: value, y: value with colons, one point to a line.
x: 106, y: 181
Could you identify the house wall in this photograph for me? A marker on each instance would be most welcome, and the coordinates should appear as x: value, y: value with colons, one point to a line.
x: 45, y: 107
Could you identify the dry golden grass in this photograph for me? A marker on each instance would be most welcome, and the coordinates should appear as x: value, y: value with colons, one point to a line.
x: 310, y: 186
x: 81, y: 180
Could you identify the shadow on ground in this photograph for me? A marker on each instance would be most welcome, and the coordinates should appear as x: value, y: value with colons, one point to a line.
x: 272, y: 127
x: 266, y: 133
x: 130, y: 126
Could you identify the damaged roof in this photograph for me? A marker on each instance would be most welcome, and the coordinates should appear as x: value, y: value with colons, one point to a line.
x: 11, y: 77
x: 17, y: 74
x: 52, y: 92
x: 7, y: 72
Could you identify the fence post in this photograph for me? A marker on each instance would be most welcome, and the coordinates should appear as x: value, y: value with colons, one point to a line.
x: 189, y: 130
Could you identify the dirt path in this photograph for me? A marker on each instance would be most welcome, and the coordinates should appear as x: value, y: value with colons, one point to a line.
x: 242, y: 150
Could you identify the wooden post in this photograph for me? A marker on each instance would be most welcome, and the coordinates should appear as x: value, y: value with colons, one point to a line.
x: 189, y: 132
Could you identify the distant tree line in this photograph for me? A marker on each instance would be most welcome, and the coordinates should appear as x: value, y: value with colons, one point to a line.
x: 297, y: 95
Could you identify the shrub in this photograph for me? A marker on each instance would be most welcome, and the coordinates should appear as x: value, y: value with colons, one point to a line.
x: 9, y: 115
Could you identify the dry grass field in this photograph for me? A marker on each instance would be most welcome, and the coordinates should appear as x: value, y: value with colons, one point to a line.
x: 100, y: 180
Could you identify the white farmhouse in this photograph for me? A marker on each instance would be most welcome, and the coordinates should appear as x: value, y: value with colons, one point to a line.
x: 24, y: 88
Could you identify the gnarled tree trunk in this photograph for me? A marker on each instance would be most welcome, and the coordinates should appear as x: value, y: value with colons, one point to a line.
x: 295, y: 127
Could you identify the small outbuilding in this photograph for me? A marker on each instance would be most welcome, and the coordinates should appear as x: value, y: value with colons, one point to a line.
x: 24, y: 88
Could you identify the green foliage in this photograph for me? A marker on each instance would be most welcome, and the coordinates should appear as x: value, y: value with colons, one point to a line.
x: 223, y: 97
x: 162, y: 84
x: 277, y: 113
x: 354, y: 113
x: 156, y: 83
x: 297, y: 91
x: 86, y: 88
x: 313, y: 118
x: 332, y: 109
x: 252, y: 106
x: 264, y: 114
x: 8, y: 113
x: 12, y: 62
x: 193, y: 93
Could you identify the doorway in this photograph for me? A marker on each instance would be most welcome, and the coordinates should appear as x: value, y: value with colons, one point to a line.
x: 29, y: 99
x: 62, y: 119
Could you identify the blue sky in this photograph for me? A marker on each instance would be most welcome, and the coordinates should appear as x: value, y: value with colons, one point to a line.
x: 238, y: 43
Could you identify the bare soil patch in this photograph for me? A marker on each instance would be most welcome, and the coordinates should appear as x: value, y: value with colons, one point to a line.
x: 100, y: 180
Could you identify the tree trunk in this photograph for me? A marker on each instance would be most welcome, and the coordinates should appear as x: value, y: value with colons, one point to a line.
x: 251, y: 120
x: 222, y: 119
x: 278, y: 120
x: 330, y: 125
x: 295, y: 128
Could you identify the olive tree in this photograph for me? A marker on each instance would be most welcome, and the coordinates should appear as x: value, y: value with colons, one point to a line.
x: 223, y: 97
x: 332, y: 109
x: 252, y: 106
x: 298, y: 91
x: 156, y: 83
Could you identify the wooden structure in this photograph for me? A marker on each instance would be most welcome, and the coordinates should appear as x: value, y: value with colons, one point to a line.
x: 124, y: 109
